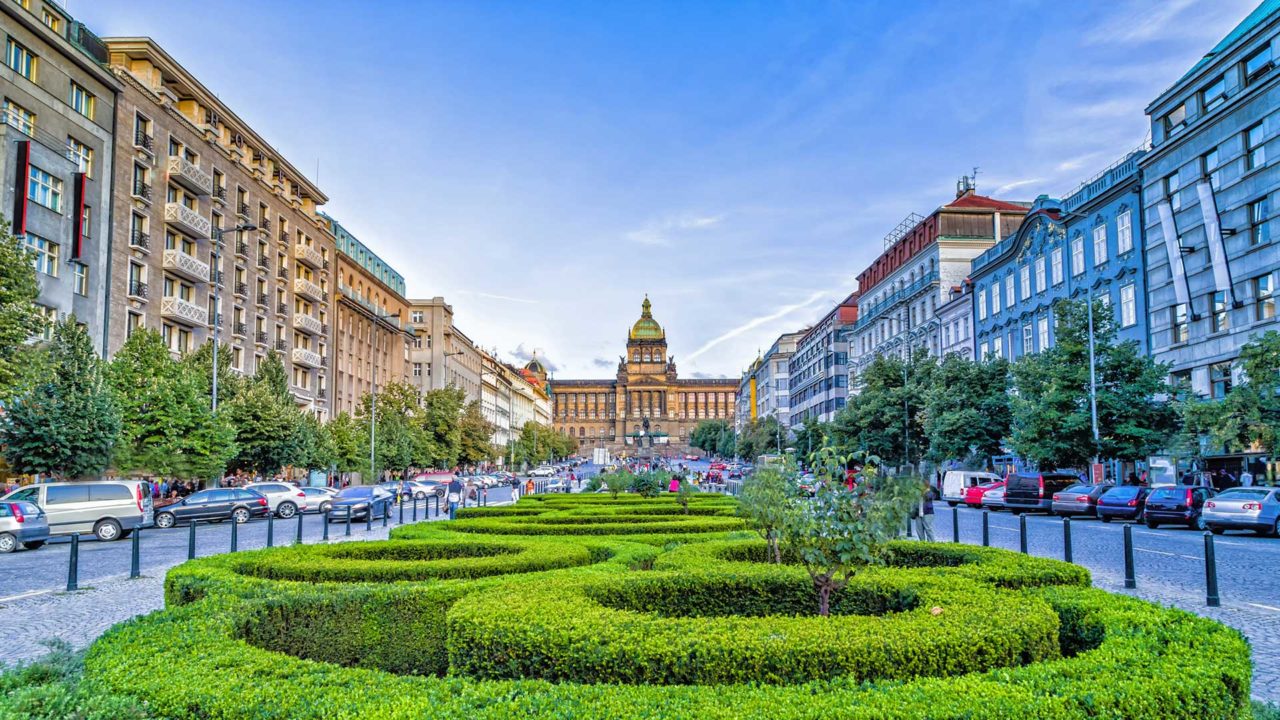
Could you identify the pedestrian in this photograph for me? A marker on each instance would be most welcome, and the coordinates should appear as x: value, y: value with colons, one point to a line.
x: 515, y: 490
x: 924, y: 516
x: 455, y: 494
x: 675, y: 484
x: 1246, y: 477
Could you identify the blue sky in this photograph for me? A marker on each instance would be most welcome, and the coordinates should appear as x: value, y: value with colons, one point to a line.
x: 543, y: 165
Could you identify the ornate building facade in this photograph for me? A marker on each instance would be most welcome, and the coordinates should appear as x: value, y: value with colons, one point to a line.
x: 613, y: 413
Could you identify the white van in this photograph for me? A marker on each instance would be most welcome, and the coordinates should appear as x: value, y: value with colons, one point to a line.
x: 110, y: 509
x: 955, y: 482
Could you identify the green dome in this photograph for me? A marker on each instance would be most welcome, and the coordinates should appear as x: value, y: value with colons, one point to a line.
x: 646, y: 328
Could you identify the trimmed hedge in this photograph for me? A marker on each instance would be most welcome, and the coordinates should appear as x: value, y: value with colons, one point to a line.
x: 684, y: 607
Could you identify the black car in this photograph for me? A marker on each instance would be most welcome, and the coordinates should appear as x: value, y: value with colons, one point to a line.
x: 1126, y: 502
x: 1177, y: 505
x: 361, y: 502
x: 1033, y: 491
x: 214, y: 505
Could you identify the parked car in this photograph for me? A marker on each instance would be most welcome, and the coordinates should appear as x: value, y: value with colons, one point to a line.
x: 543, y: 471
x: 433, y: 483
x: 215, y: 505
x: 1033, y: 491
x: 284, y: 499
x: 956, y: 482
x: 1177, y: 504
x: 1126, y: 502
x: 1079, y: 499
x: 973, y: 494
x: 361, y: 502
x: 994, y: 499
x: 1241, y: 508
x: 319, y: 499
x: 22, y: 523
x: 110, y: 509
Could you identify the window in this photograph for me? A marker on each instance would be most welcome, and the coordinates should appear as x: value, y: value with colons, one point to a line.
x: 1255, y: 151
x: 983, y: 351
x: 1257, y: 64
x: 997, y: 346
x: 1259, y: 225
x: 995, y: 298
x: 82, y: 101
x: 80, y: 273
x: 982, y: 305
x: 1099, y: 245
x: 1041, y: 284
x: 1264, y: 297
x: 1124, y: 231
x: 1213, y: 94
x: 81, y: 154
x: 49, y: 317
x: 1077, y: 256
x: 1028, y: 340
x: 45, y: 252
x: 1043, y: 326
x: 1008, y: 290
x: 417, y: 369
x: 1209, y: 168
x: 1220, y: 379
x: 1128, y: 305
x: 415, y: 316
x: 51, y: 21
x: 1171, y: 186
x: 1219, y: 318
x: 1057, y: 266
x: 44, y: 189
x: 132, y: 323
x: 1175, y: 120
x: 1024, y: 277
x: 21, y: 60
x: 19, y: 117
x: 1179, y: 328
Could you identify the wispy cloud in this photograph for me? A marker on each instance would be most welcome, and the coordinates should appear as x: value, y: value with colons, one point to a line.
x: 524, y: 355
x: 758, y: 321
x: 602, y: 363
x: 663, y: 232
x: 1011, y: 186
x: 495, y: 296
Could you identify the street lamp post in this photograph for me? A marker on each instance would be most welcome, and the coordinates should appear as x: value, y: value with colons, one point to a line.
x: 1093, y: 385
x: 217, y: 320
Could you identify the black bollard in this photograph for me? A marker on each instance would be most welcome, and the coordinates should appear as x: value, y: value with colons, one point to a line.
x: 191, y: 542
x: 986, y: 528
x: 1130, y: 582
x: 271, y: 529
x: 368, y: 519
x: 235, y: 534
x: 1210, y: 572
x: 348, y: 520
x: 73, y: 568
x: 298, y: 540
x: 484, y: 496
x: 386, y: 513
x: 1022, y: 533
x: 955, y: 524
x: 1066, y: 539
x: 415, y: 509
x: 325, y: 536
x: 401, y: 522
x: 135, y: 560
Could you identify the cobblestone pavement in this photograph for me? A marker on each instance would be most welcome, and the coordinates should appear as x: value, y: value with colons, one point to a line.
x: 1168, y: 567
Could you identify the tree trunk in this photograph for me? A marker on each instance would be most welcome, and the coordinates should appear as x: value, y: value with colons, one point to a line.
x: 824, y: 599
x: 776, y: 548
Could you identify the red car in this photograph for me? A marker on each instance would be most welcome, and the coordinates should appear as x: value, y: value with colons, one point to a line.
x: 973, y: 495
x: 719, y: 466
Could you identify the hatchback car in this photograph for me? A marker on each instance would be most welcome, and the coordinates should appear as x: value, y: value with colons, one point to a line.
x: 973, y: 495
x: 1244, y: 508
x: 110, y: 509
x: 1079, y: 499
x: 1033, y: 491
x: 216, y: 505
x: 1177, y: 505
x: 993, y: 499
x: 361, y: 502
x: 1125, y: 502
x: 284, y: 499
x: 22, y: 524
x: 318, y: 498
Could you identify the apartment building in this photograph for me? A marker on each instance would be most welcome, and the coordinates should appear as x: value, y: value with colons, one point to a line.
x: 217, y: 235
x: 497, y: 397
x: 57, y: 129
x: 818, y: 369
x: 441, y: 354
x: 372, y: 337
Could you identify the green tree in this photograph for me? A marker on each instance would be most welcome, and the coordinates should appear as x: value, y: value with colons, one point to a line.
x: 1051, y: 423
x: 811, y: 436
x: 706, y: 435
x: 727, y: 443
x: 475, y: 436
x: 966, y: 411
x: 319, y: 450
x: 886, y: 419
x: 201, y: 361
x: 351, y: 454
x: 1249, y: 415
x: 441, y: 412
x: 768, y: 498
x: 841, y: 531
x: 20, y: 320
x: 267, y: 421
x: 67, y: 423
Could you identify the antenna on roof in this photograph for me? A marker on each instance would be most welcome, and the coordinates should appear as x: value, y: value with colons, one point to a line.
x: 967, y: 183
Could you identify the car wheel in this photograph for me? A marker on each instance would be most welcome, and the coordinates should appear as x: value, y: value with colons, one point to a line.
x: 440, y: 493
x: 107, y: 530
x: 33, y: 545
x: 1216, y: 530
x: 324, y: 507
x: 165, y: 520
x: 286, y: 510
x: 1275, y: 531
x: 1198, y: 523
x: 1152, y: 524
x: 1105, y: 518
x: 8, y: 543
x: 240, y: 515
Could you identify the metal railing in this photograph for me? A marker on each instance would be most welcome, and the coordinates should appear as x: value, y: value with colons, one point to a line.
x: 871, y: 313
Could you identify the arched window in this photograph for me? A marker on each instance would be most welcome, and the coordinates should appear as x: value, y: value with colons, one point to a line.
x: 635, y: 356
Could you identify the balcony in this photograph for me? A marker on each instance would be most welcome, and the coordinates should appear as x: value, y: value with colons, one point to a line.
x: 242, y: 248
x: 187, y: 220
x: 264, y: 300
x: 281, y: 345
x: 308, y: 255
x: 263, y: 262
x: 187, y: 313
x: 220, y: 194
x: 307, y: 358
x: 143, y: 140
x: 185, y: 265
x: 307, y: 324
x: 282, y: 272
x: 142, y: 191
x: 260, y: 337
x: 308, y: 289
x: 282, y: 308
x: 217, y: 277
x: 140, y: 241
x: 243, y: 210
x: 871, y: 312
x: 242, y: 289
x: 239, y: 329
x: 190, y: 176
x: 265, y: 225
x: 138, y: 290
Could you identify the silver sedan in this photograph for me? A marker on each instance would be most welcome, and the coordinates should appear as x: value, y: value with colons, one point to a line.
x: 1244, y: 508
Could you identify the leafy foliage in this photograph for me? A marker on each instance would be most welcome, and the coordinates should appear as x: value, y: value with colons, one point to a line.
x: 266, y: 421
x: 768, y: 500
x: 475, y: 436
x: 966, y: 410
x: 887, y: 418
x: 1249, y: 415
x: 706, y: 435
x: 19, y: 318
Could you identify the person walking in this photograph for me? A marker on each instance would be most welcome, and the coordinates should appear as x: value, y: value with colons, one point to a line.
x: 455, y: 494
x: 515, y: 489
x: 675, y: 484
x: 1246, y: 477
x: 924, y: 516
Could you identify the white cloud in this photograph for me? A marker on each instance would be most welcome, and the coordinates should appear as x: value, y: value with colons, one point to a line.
x: 662, y: 232
x: 494, y: 296
x: 758, y: 321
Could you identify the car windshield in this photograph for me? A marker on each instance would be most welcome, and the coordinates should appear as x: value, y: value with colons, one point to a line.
x: 1168, y: 493
x: 1126, y: 491
x: 1078, y: 488
x: 1243, y: 494
x: 356, y: 492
